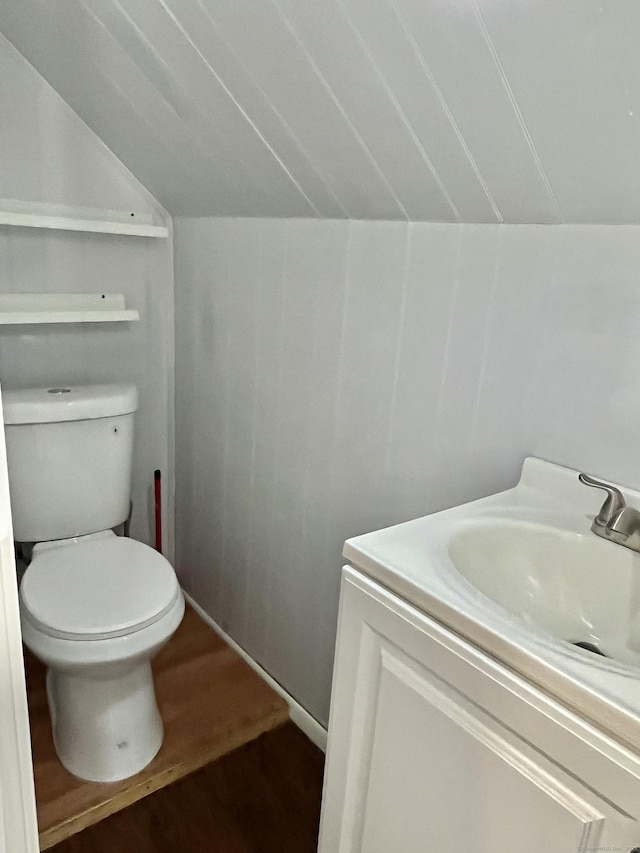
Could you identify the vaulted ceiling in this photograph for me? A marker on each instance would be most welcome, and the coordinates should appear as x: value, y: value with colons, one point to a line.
x: 443, y: 110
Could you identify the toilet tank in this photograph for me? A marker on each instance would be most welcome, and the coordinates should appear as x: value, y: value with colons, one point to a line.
x: 69, y: 453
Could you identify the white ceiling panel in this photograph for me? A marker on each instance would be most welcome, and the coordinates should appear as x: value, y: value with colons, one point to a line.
x: 113, y: 93
x: 292, y: 83
x: 574, y: 68
x: 419, y: 101
x: 450, y: 39
x: 344, y: 63
x: 166, y: 56
x: 434, y: 110
x: 242, y: 81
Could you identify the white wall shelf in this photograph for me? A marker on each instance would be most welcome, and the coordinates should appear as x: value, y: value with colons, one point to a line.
x: 30, y: 214
x: 34, y: 308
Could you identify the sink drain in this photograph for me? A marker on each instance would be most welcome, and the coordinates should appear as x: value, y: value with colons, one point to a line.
x: 590, y: 647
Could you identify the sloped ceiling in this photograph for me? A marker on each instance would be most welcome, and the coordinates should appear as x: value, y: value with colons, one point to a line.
x: 443, y: 110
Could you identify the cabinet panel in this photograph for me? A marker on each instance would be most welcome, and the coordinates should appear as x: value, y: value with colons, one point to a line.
x: 444, y: 777
x: 434, y: 746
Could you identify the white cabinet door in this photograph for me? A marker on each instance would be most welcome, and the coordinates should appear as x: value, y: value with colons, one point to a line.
x: 427, y: 755
x: 18, y: 825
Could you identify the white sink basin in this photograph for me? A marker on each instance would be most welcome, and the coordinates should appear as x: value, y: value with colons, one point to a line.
x: 521, y: 575
x: 574, y: 586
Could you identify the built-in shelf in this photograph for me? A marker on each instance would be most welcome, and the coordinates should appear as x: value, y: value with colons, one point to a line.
x: 30, y: 214
x: 30, y: 308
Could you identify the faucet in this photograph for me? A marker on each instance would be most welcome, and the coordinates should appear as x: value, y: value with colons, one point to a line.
x: 616, y: 521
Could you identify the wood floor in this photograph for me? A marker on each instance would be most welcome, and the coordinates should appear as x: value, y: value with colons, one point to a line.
x: 211, y: 703
x: 263, y: 798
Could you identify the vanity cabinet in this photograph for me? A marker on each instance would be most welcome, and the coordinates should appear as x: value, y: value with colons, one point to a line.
x: 435, y: 747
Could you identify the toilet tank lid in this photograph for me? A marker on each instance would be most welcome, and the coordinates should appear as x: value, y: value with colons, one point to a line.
x: 67, y: 403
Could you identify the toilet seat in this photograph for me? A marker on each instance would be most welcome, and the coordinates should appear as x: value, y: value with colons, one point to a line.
x: 98, y: 589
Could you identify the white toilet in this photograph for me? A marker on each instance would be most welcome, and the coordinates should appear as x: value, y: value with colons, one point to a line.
x: 95, y: 607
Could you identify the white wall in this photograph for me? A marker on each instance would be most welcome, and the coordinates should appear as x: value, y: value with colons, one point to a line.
x: 48, y: 154
x: 337, y: 377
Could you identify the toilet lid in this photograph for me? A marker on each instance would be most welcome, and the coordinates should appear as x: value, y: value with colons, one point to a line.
x: 98, y: 589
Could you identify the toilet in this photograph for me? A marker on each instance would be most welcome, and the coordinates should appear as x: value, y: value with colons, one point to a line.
x: 94, y: 607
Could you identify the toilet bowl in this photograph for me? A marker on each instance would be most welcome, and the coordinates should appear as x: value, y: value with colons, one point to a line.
x: 95, y: 610
x: 95, y: 607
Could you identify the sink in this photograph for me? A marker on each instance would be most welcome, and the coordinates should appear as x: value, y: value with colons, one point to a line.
x: 521, y: 576
x: 574, y: 586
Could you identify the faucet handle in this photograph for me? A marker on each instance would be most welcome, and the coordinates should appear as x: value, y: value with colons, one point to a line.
x: 613, y: 504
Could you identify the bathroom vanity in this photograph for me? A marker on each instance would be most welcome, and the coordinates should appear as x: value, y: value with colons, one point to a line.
x: 466, y: 719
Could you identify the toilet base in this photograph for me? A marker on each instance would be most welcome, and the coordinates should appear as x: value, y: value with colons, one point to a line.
x: 106, y: 724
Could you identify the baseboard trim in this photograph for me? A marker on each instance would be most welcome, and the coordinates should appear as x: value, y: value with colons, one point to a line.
x: 299, y: 716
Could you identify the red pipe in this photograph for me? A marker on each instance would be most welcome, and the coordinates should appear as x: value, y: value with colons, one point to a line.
x: 157, y: 491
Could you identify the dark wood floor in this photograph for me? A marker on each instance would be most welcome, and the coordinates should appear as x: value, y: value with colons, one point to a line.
x: 262, y: 798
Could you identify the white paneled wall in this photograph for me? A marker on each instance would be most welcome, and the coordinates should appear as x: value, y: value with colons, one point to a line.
x: 48, y: 154
x: 337, y: 377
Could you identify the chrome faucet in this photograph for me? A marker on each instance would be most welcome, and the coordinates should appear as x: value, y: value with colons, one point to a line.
x: 616, y: 521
